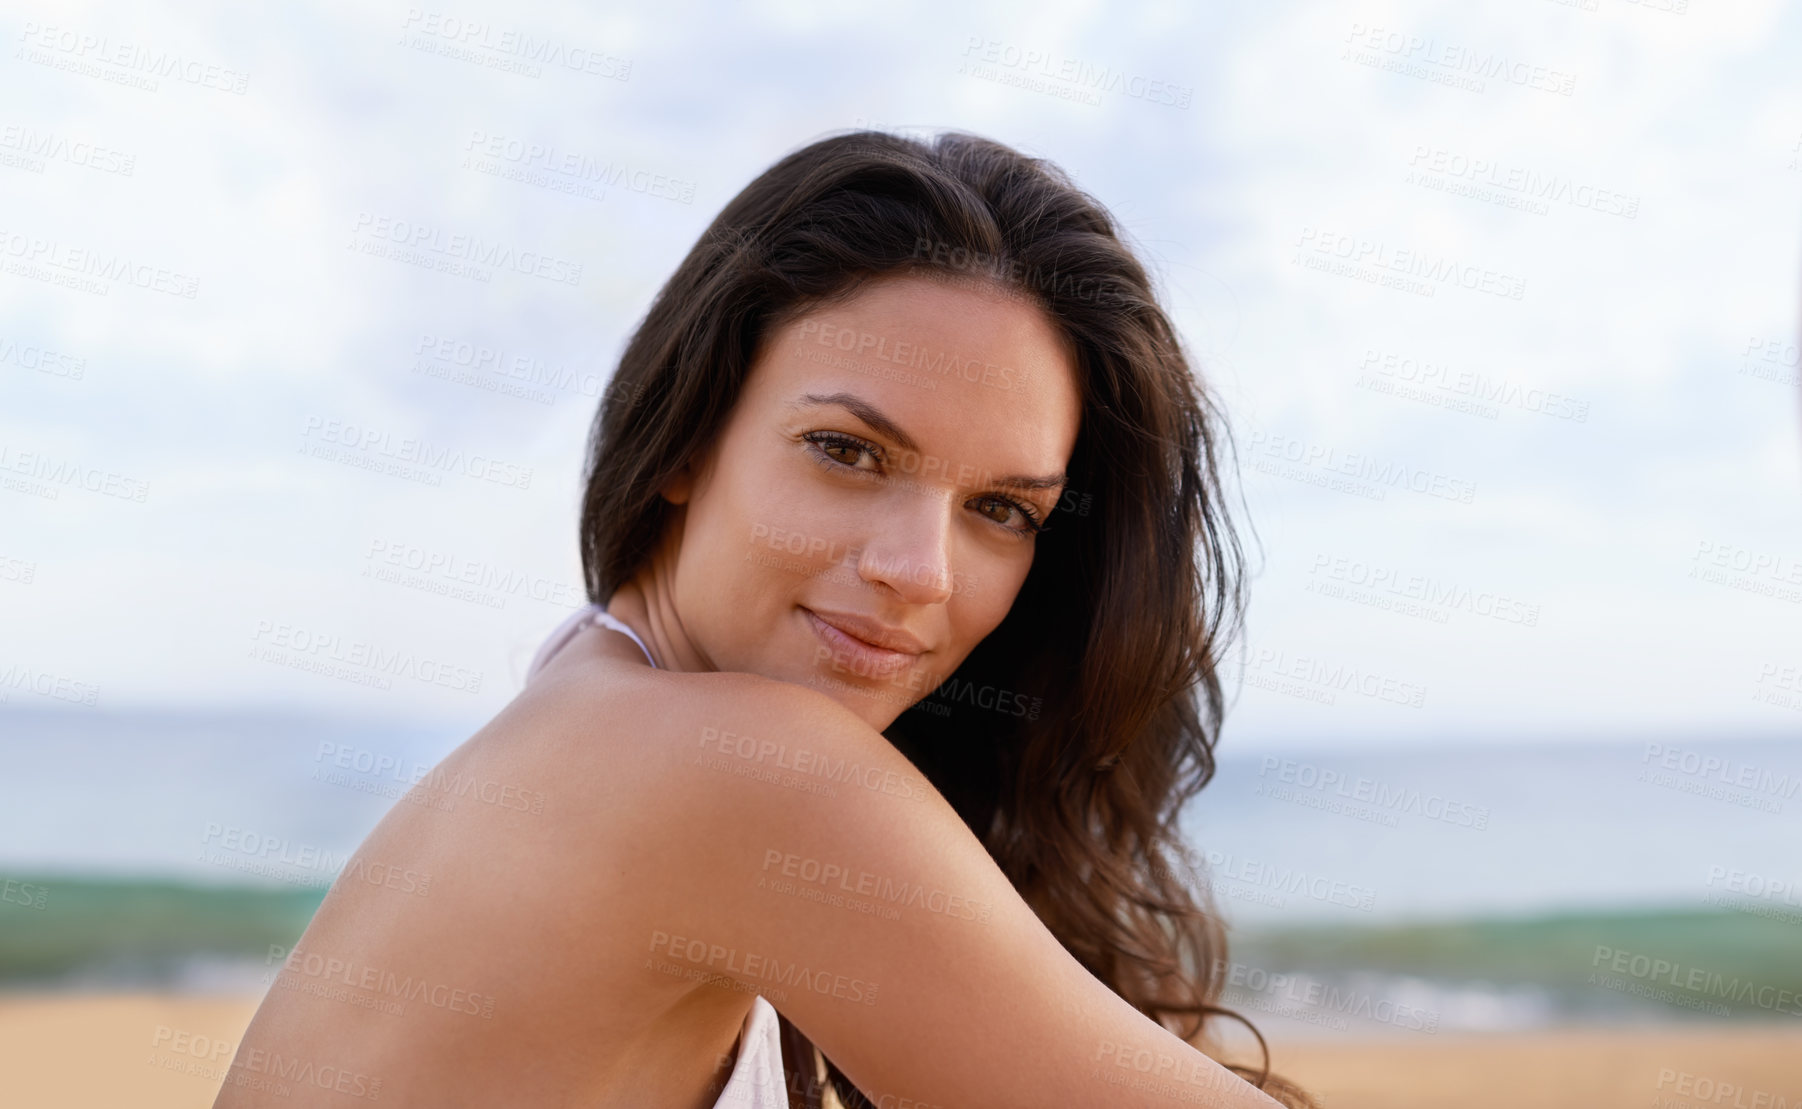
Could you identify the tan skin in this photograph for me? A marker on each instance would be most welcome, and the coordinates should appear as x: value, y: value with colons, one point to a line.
x: 566, y: 923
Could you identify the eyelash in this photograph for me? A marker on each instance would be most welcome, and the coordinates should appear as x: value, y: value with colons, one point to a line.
x: 847, y: 442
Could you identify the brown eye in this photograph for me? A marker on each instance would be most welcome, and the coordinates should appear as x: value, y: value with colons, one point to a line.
x: 826, y: 443
x: 1030, y: 526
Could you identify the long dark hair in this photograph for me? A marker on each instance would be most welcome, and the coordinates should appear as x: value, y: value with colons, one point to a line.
x: 1136, y: 586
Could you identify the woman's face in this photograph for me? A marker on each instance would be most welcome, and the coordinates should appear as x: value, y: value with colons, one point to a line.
x: 879, y: 480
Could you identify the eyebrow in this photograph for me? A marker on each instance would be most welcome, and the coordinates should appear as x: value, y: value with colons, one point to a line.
x: 875, y: 418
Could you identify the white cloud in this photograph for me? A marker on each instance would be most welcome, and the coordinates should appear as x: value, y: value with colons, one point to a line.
x: 1696, y: 117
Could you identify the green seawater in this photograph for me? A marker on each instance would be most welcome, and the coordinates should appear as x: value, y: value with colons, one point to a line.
x: 99, y: 931
x: 1648, y: 965
x: 1635, y: 965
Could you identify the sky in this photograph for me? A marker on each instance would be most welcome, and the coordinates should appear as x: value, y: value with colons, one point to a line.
x: 1500, y: 300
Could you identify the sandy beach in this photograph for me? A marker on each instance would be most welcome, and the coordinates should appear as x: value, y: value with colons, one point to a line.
x: 1657, y: 1067
x: 79, y: 1051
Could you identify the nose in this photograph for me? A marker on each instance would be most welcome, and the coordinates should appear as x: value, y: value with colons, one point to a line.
x: 911, y: 552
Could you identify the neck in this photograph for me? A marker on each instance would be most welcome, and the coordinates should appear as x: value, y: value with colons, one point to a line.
x: 646, y: 602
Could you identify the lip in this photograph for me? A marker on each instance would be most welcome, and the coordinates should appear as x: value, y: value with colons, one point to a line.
x: 877, y: 648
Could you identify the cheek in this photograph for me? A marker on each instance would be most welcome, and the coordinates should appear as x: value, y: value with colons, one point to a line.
x: 771, y: 535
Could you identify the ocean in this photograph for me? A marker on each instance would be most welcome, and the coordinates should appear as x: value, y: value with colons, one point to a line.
x: 1407, y: 891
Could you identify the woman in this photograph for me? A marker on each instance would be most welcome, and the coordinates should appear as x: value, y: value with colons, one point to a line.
x: 863, y: 771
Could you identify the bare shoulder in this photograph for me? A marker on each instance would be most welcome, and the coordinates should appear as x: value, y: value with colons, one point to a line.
x: 608, y: 766
x: 671, y: 739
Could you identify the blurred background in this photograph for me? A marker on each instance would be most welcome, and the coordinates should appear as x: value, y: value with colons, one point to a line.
x: 304, y: 314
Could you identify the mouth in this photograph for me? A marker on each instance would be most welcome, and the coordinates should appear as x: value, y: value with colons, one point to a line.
x: 865, y: 658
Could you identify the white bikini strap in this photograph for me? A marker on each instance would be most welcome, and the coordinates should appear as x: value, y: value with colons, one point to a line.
x: 566, y: 631
x: 605, y: 618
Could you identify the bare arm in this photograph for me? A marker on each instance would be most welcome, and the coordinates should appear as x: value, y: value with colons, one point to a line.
x: 817, y: 867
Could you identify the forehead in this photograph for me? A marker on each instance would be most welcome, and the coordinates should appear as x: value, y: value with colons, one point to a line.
x: 979, y: 375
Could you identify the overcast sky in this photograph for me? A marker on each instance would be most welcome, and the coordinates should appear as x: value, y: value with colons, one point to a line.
x: 1501, y: 299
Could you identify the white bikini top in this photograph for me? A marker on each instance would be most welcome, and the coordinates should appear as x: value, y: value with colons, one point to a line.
x: 566, y: 631
x: 756, y: 1081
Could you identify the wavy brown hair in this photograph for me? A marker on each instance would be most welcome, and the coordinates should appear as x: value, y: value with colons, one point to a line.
x: 1135, y: 586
